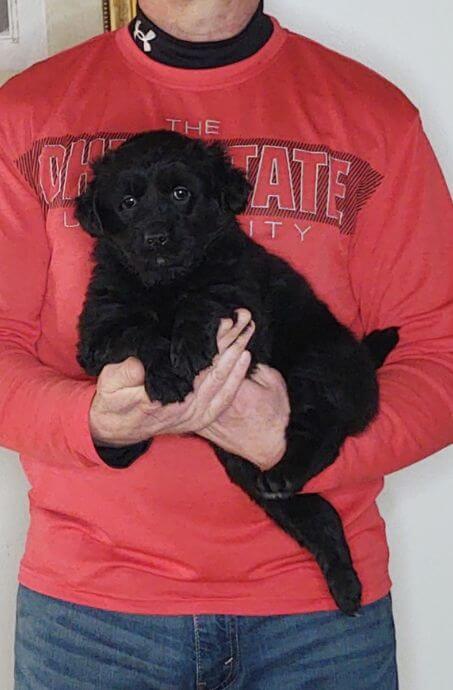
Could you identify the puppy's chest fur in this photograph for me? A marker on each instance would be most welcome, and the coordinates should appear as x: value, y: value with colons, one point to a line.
x: 235, y: 274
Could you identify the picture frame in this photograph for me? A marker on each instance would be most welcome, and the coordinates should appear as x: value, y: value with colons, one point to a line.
x: 118, y: 13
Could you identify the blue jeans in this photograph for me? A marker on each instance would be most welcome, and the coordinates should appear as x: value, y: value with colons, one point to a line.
x: 64, y: 646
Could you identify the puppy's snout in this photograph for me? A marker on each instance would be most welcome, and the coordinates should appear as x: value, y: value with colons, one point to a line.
x: 155, y: 239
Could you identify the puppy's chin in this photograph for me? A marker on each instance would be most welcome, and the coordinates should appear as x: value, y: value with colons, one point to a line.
x: 158, y: 270
x: 163, y: 276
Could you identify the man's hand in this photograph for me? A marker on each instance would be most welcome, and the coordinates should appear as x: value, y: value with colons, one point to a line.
x: 121, y: 412
x: 253, y: 425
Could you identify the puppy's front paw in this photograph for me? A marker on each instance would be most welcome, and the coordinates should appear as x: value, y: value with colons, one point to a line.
x: 275, y: 483
x: 92, y: 358
x: 166, y: 386
x: 95, y: 350
x: 189, y: 356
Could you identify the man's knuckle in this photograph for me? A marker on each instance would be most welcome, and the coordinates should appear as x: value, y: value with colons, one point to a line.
x: 107, y: 370
x: 218, y: 376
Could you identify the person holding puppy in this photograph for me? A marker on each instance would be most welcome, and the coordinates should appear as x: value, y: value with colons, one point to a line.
x: 144, y: 566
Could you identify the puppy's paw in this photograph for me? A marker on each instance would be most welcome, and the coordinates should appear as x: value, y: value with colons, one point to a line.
x: 166, y: 386
x: 112, y: 346
x: 92, y: 359
x: 275, y: 483
x: 190, y: 356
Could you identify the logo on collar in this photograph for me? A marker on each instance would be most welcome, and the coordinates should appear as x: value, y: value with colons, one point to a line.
x: 144, y: 38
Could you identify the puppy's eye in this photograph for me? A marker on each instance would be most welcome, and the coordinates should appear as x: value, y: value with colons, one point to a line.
x: 181, y: 194
x: 127, y: 203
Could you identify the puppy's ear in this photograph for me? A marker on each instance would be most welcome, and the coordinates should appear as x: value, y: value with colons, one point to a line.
x: 236, y: 192
x: 233, y: 184
x: 87, y: 213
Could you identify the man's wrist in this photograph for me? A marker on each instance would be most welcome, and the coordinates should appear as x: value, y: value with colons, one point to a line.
x: 99, y: 443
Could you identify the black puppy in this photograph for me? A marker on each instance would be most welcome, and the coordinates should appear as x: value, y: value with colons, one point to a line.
x: 170, y: 261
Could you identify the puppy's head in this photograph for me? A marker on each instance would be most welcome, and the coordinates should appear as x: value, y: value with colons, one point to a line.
x: 159, y: 200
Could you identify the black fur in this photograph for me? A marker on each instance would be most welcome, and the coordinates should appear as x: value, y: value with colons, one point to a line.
x: 167, y: 270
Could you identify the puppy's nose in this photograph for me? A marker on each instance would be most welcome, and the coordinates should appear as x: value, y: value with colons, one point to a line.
x: 155, y: 239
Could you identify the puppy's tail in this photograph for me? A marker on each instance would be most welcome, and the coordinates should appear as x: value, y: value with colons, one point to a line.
x: 380, y: 343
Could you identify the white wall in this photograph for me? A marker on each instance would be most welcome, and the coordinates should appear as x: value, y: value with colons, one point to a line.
x: 26, y: 39
x: 409, y: 42
x: 69, y: 23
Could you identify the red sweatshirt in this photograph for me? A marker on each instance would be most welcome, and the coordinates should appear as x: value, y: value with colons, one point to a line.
x: 346, y: 187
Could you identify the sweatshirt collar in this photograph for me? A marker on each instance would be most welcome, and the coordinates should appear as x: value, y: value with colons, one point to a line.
x: 200, y: 79
x: 169, y: 50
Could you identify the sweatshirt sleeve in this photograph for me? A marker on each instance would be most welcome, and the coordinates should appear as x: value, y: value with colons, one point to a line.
x: 401, y: 273
x: 123, y: 456
x: 43, y: 414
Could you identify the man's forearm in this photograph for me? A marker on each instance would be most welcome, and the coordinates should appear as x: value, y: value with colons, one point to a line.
x: 43, y: 413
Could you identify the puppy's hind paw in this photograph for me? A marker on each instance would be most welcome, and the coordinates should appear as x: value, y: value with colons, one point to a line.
x: 91, y: 361
x: 274, y: 484
x: 167, y: 387
x: 187, y: 361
